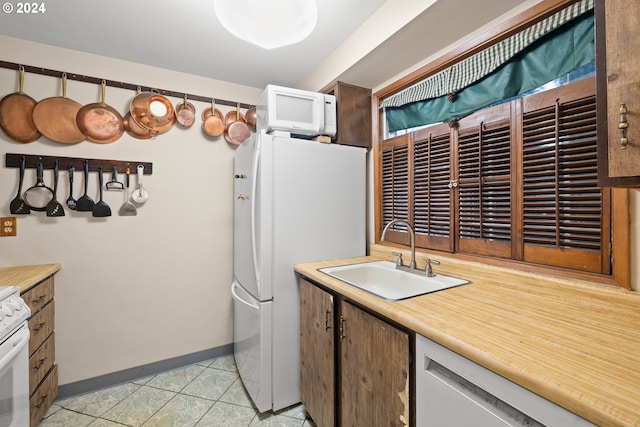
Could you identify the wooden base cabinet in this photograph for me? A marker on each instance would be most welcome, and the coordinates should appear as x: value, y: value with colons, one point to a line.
x: 317, y: 354
x: 43, y: 372
x: 367, y: 358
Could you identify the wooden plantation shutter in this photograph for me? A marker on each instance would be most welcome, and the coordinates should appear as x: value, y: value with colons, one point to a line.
x: 564, y: 211
x: 395, y: 187
x: 432, y: 207
x: 484, y: 193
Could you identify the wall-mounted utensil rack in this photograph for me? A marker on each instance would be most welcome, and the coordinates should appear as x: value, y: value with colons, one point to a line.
x: 117, y: 84
x: 31, y: 161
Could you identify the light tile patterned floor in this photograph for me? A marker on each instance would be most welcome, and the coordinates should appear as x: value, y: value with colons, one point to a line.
x: 207, y: 394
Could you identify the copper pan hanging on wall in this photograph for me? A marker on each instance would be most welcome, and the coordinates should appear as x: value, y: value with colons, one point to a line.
x: 100, y: 122
x: 152, y: 112
x: 136, y: 130
x: 212, y: 121
x: 55, y: 117
x: 236, y: 129
x: 16, y: 111
x: 185, y: 113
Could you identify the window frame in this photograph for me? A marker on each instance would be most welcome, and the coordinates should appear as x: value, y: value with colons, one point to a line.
x: 619, y: 224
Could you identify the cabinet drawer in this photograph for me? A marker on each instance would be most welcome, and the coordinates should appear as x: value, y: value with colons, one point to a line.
x: 41, y: 362
x: 38, y: 296
x: 44, y: 397
x: 41, y: 326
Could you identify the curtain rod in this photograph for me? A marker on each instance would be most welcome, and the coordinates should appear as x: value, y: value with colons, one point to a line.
x: 113, y: 83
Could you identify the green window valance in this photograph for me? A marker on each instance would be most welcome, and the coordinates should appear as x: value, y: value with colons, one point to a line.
x: 529, y: 59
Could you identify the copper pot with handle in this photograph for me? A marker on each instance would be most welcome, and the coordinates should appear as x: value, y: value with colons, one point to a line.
x: 152, y: 112
x: 212, y: 121
x: 236, y: 129
x: 185, y: 113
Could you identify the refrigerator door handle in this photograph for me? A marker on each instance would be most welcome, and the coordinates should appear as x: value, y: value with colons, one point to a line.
x: 254, y: 187
x: 238, y: 298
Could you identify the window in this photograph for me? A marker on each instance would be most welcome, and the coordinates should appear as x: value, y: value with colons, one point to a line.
x: 514, y: 181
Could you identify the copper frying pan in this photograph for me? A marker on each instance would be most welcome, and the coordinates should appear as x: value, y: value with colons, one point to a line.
x: 55, y: 117
x: 16, y: 115
x: 100, y: 122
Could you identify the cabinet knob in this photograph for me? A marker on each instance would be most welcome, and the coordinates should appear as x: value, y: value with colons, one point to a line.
x: 623, y: 125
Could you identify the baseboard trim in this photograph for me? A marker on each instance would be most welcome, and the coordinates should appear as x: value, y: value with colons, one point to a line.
x: 130, y: 374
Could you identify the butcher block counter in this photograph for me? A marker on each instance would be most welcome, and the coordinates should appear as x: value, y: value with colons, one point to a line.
x: 26, y: 276
x: 575, y: 343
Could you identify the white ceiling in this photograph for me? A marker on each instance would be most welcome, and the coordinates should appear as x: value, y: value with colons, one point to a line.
x: 186, y: 36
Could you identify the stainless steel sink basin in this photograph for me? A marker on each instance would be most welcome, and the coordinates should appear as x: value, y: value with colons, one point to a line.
x: 381, y: 278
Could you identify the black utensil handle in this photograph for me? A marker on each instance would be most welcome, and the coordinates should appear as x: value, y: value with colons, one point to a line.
x: 22, y: 167
x: 114, y: 174
x: 72, y: 171
x: 86, y: 176
x: 55, y: 177
x: 39, y: 174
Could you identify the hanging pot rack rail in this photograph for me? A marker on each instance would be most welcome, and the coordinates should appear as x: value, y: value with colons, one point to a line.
x: 31, y: 161
x: 117, y: 84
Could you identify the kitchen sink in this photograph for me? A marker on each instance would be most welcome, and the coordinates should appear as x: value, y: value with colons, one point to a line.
x: 383, y: 279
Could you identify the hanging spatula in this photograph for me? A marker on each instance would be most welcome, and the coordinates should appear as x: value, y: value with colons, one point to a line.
x: 101, y: 209
x: 85, y: 203
x: 127, y: 208
x: 54, y: 207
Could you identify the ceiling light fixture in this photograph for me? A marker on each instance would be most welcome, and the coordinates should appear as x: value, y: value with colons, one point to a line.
x: 268, y: 23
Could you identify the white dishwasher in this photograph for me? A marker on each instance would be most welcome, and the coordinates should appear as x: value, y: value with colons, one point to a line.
x: 453, y: 391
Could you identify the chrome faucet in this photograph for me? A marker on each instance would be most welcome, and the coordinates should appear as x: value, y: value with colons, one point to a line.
x: 412, y: 234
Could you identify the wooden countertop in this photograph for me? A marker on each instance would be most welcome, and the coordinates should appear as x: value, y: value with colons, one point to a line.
x: 26, y: 276
x: 574, y: 343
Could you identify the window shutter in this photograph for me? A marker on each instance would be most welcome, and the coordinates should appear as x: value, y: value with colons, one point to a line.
x: 395, y: 186
x: 562, y: 204
x: 484, y: 201
x: 432, y: 209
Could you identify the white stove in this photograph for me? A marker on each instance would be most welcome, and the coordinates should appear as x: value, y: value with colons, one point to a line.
x: 14, y: 358
x: 13, y: 310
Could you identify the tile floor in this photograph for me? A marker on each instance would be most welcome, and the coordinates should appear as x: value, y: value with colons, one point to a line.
x: 206, y: 394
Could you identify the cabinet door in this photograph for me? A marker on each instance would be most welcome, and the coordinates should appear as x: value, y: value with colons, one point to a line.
x: 374, y: 372
x: 317, y: 370
x: 618, y: 71
x: 353, y: 114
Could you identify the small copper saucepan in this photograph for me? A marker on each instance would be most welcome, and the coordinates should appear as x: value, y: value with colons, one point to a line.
x: 236, y: 129
x: 185, y: 113
x: 252, y: 117
x: 212, y: 122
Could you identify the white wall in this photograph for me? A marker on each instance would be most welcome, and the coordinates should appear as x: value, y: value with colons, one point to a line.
x: 132, y: 290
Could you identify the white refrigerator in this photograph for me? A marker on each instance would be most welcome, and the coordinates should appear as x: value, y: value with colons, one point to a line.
x: 295, y: 201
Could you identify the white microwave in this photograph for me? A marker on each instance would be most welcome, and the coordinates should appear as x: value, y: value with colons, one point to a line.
x: 296, y: 111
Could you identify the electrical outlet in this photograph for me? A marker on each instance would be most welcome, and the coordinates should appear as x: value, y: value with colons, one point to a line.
x: 8, y: 226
